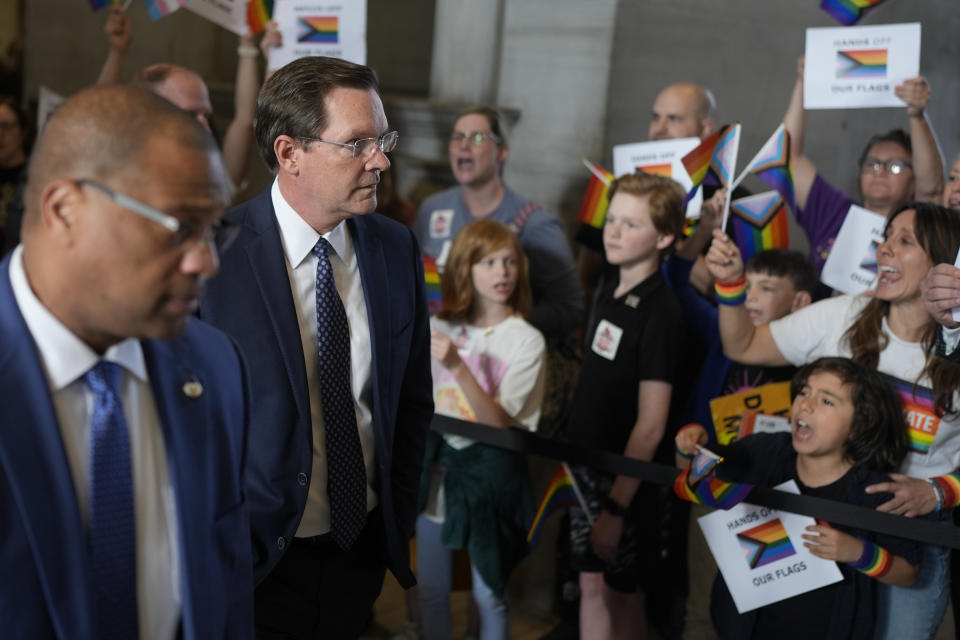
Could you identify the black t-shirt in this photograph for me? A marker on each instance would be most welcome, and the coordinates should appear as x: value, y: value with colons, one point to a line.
x: 630, y: 338
x: 845, y: 609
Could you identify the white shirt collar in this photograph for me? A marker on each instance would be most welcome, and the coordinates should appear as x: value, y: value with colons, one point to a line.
x: 65, y: 356
x: 299, y: 237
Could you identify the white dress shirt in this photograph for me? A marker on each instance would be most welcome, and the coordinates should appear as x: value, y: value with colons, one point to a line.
x: 298, y: 239
x: 65, y: 359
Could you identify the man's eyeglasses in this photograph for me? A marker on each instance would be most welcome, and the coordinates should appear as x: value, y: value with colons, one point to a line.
x: 363, y: 147
x: 476, y: 138
x: 893, y: 166
x: 221, y: 233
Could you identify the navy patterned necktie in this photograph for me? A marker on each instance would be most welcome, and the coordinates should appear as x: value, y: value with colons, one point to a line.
x: 112, y: 538
x: 346, y: 475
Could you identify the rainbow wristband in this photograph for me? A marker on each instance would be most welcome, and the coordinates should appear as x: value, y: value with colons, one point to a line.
x: 733, y: 293
x: 874, y: 562
x: 950, y: 488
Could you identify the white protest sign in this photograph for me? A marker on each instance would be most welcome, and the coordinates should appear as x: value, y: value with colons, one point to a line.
x: 662, y: 158
x: 851, y: 266
x: 761, y: 556
x: 47, y: 104
x: 318, y: 28
x: 852, y: 67
x: 229, y: 14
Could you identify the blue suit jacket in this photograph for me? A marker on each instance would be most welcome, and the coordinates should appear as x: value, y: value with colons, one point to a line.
x: 250, y: 299
x: 45, y: 591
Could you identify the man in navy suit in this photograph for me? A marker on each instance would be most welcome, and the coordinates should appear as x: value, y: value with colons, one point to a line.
x: 124, y: 422
x: 327, y: 302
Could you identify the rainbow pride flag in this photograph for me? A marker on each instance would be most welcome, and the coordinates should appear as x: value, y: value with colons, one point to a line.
x: 766, y: 543
x: 96, y: 5
x: 760, y: 222
x: 259, y: 13
x: 862, y: 63
x: 561, y: 492
x: 319, y: 30
x: 772, y: 166
x: 593, y: 208
x: 698, y: 484
x: 715, y: 157
x: 159, y: 8
x: 847, y: 12
x: 432, y: 277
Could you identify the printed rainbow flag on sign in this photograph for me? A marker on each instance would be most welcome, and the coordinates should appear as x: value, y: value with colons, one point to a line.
x: 593, y: 208
x: 159, y: 8
x: 862, y: 63
x: 772, y: 166
x: 319, y: 30
x: 760, y: 222
x: 561, y: 492
x: 847, y: 12
x: 766, y: 543
x: 665, y: 170
x: 259, y: 13
x: 432, y: 277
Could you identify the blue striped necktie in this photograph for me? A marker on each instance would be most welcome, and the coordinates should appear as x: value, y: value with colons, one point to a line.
x: 346, y: 475
x: 112, y: 538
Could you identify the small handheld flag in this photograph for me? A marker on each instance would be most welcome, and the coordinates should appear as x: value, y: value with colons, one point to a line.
x: 561, y: 492
x: 847, y: 12
x: 432, y: 277
x: 159, y: 8
x: 713, y: 162
x: 760, y: 222
x: 772, y: 165
x: 697, y: 483
x: 259, y: 13
x: 593, y: 209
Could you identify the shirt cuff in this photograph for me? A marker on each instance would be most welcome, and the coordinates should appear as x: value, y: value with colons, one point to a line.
x: 950, y: 339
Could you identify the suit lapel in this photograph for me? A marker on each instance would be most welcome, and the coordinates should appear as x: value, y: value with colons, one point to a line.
x: 182, y: 422
x: 268, y: 264
x: 376, y: 295
x: 35, y: 464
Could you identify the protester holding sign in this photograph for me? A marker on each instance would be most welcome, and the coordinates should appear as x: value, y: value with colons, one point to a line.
x: 895, y: 168
x: 188, y: 91
x: 893, y: 333
x: 846, y: 429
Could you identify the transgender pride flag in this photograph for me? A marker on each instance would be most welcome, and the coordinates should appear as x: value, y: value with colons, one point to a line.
x: 160, y: 8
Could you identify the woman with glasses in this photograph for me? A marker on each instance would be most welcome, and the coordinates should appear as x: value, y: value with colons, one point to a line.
x: 478, y: 149
x: 895, y: 168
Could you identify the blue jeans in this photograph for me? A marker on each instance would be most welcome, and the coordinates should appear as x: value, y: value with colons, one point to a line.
x: 434, y: 579
x: 908, y: 613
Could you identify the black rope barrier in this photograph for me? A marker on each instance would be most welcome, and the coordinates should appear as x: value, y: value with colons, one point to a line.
x: 944, y: 534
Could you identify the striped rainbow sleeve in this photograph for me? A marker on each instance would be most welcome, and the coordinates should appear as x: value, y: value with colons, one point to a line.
x: 950, y: 485
x: 875, y: 561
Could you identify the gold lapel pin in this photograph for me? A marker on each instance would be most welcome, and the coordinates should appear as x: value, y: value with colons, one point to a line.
x: 192, y: 389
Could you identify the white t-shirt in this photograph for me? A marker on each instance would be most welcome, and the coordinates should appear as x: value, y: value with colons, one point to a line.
x: 507, y: 360
x: 817, y: 331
